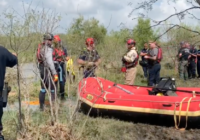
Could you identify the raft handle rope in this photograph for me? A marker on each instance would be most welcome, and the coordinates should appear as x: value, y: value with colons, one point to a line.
x: 175, y: 121
x: 176, y: 104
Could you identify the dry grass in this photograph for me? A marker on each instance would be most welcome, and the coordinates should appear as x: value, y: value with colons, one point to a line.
x: 37, y: 125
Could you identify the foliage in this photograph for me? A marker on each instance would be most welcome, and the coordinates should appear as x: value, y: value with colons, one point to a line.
x: 121, y: 35
x: 81, y: 29
x: 142, y: 33
x: 111, y: 47
x: 176, y: 35
x: 88, y: 28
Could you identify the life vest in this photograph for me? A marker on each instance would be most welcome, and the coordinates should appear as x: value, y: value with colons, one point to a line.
x: 160, y: 55
x: 39, y: 54
x: 58, y: 55
x: 132, y: 64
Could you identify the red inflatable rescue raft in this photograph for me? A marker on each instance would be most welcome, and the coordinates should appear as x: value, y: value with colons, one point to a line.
x: 100, y: 93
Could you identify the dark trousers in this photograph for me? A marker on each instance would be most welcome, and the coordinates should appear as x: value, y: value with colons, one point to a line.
x: 1, y: 112
x: 198, y: 67
x: 192, y: 69
x: 89, y: 73
x: 154, y: 74
x: 60, y: 67
x: 46, y: 82
x: 145, y: 70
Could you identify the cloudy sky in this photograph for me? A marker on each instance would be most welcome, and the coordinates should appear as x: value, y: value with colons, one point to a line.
x: 113, y: 14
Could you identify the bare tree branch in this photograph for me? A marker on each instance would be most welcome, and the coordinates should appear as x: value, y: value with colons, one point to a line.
x: 190, y: 2
x: 177, y: 15
x: 193, y: 16
x: 165, y: 32
x: 194, y: 31
x: 144, y: 5
x: 109, y: 22
x: 173, y: 26
x: 159, y: 22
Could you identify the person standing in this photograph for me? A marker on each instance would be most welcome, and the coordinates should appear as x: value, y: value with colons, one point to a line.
x: 7, y: 59
x: 192, y: 62
x: 198, y: 62
x: 184, y: 57
x: 144, y: 52
x: 130, y: 61
x: 47, y: 69
x: 59, y: 57
x: 154, y: 66
x: 89, y: 59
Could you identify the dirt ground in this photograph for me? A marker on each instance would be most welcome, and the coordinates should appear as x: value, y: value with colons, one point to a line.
x: 136, y: 127
x: 110, y: 125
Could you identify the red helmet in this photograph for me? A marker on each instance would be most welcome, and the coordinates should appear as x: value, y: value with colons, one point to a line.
x: 57, y: 38
x: 131, y: 42
x: 89, y: 41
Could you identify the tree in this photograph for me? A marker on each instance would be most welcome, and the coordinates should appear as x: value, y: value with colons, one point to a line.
x: 88, y: 28
x: 21, y: 31
x: 82, y: 29
x: 122, y: 35
x: 147, y: 6
x: 141, y: 33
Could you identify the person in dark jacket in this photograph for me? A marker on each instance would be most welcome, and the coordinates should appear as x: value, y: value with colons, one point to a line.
x: 154, y: 66
x: 7, y: 59
x: 144, y: 52
x: 198, y: 62
x: 184, y: 56
x: 89, y: 59
x: 192, y: 63
x: 60, y: 58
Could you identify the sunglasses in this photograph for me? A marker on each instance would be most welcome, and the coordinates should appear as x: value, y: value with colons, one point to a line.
x: 130, y: 43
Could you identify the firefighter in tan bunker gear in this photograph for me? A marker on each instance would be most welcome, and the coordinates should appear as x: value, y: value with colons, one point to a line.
x: 130, y: 62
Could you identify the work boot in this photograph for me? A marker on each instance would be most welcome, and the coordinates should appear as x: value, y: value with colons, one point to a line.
x: 41, y: 107
x: 62, y: 96
x: 41, y: 100
x: 1, y: 137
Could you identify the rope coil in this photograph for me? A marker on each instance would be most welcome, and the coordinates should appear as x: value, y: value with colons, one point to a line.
x: 188, y: 106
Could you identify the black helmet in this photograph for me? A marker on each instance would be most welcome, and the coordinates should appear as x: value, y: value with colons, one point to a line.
x: 48, y: 36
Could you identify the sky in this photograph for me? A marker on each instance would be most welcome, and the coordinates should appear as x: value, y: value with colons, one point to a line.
x: 113, y: 14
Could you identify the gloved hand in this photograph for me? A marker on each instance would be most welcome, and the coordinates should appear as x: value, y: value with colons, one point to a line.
x: 123, y: 69
x: 55, y: 78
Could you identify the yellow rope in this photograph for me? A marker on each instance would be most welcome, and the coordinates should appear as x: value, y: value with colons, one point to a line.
x: 180, y: 109
x: 179, y: 113
x: 188, y: 106
x: 187, y: 111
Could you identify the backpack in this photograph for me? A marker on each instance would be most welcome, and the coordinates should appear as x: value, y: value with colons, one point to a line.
x: 58, y: 55
x: 40, y: 51
x: 165, y: 86
x: 160, y: 55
